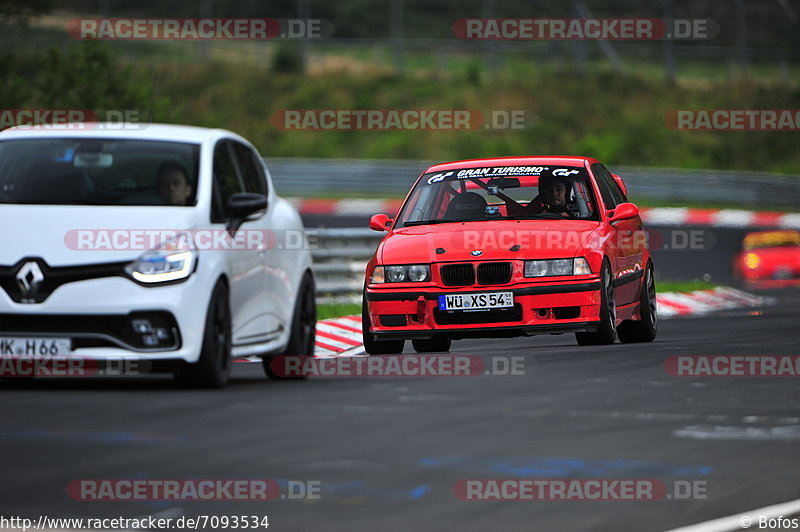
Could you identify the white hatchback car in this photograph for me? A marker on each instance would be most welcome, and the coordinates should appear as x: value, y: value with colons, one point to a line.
x: 164, y: 244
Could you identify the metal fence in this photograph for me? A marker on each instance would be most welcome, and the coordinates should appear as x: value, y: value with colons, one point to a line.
x: 392, y: 178
x: 340, y: 259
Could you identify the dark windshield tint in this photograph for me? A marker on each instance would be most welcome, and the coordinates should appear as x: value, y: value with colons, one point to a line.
x: 98, y: 172
x: 502, y: 192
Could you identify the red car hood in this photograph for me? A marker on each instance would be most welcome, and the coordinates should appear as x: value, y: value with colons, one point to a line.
x: 547, y: 239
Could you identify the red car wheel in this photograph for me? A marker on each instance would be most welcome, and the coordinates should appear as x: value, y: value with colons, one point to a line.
x: 607, y: 330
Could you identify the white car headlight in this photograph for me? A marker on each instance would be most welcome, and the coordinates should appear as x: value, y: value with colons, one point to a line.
x: 162, y: 265
x: 556, y: 267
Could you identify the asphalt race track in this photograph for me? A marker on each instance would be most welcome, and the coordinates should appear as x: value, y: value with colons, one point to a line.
x: 387, y: 452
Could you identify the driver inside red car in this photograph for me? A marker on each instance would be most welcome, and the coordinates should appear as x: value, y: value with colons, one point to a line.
x: 552, y: 198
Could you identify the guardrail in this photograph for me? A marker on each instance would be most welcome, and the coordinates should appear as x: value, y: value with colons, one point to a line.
x: 340, y: 255
x: 340, y: 258
x: 393, y: 178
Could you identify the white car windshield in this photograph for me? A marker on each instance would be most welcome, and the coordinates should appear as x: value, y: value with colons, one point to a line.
x: 501, y: 192
x: 98, y: 172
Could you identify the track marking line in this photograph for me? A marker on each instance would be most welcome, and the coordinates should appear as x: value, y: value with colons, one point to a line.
x: 744, y: 520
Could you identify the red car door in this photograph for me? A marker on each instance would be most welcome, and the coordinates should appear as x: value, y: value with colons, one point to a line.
x: 626, y: 243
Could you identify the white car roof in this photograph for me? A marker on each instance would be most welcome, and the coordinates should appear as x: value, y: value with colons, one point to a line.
x: 142, y: 131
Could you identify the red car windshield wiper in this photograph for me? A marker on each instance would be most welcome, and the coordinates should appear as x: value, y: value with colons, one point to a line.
x: 431, y: 222
x: 538, y: 216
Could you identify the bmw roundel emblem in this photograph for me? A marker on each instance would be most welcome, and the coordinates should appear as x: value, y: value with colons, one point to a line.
x: 476, y: 253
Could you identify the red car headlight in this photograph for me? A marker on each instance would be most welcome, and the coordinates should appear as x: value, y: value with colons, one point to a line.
x: 554, y: 267
x: 402, y: 273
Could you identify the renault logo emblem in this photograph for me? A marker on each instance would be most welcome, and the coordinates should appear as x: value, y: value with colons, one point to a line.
x: 476, y: 253
x: 29, y: 277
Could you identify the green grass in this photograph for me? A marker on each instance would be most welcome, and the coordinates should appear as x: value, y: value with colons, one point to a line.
x: 618, y: 119
x: 684, y: 286
x: 537, y: 62
x: 337, y: 310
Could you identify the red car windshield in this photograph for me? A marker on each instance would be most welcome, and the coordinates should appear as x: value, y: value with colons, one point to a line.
x: 772, y: 239
x: 501, y: 193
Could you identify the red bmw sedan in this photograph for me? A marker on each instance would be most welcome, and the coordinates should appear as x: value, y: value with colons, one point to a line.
x: 512, y: 246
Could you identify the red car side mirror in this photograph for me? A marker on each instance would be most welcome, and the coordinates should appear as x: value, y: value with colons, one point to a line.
x: 380, y: 222
x: 624, y: 211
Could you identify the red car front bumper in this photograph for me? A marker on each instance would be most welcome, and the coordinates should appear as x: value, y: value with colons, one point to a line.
x: 539, y: 308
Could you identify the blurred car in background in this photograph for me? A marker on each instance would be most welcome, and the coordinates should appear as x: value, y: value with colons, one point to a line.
x: 155, y: 244
x: 769, y: 259
x: 510, y: 247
